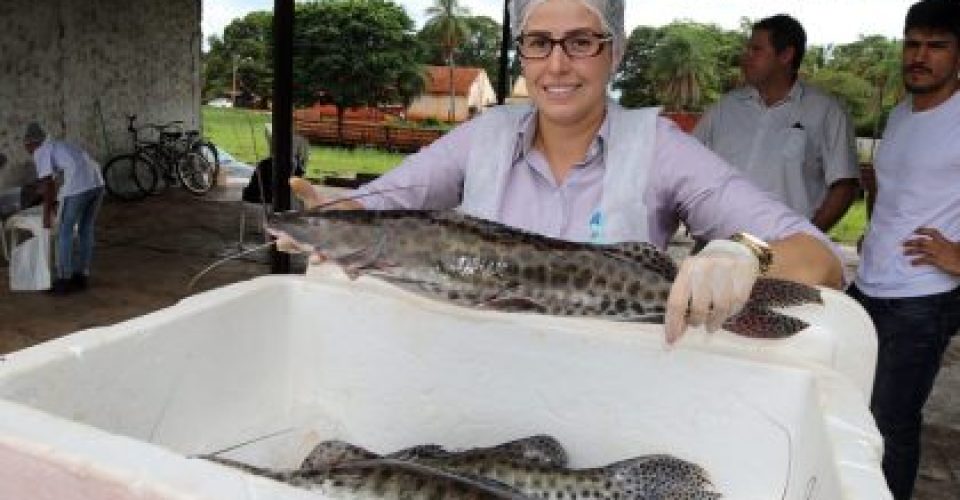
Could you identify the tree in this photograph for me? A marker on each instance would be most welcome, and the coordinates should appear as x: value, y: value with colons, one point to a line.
x: 683, y: 67
x: 246, y: 46
x: 447, y: 18
x: 850, y: 88
x: 352, y: 53
x: 634, y: 80
x: 876, y: 59
x: 480, y: 48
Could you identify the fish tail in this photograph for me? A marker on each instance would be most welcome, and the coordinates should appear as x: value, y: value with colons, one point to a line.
x: 763, y: 323
x: 773, y: 292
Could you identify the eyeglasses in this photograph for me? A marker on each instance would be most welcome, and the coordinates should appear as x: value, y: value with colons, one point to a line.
x: 575, y: 46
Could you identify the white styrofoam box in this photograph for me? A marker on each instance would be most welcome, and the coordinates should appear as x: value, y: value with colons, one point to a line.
x: 263, y: 370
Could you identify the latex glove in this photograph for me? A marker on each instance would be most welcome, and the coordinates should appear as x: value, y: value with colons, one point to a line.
x: 710, y: 287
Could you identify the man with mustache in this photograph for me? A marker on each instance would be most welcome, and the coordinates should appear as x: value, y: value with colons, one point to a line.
x: 909, y: 275
x: 791, y: 139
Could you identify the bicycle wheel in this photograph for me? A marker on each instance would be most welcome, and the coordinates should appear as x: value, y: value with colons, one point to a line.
x: 129, y: 177
x: 209, y: 151
x: 196, y: 173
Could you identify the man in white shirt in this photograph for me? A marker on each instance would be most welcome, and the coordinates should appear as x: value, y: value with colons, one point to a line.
x: 909, y: 274
x: 789, y: 138
x: 78, y: 194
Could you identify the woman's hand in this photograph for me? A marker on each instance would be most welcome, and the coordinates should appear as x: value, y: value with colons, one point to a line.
x: 710, y: 287
x: 931, y: 248
x: 306, y: 193
x: 312, y: 197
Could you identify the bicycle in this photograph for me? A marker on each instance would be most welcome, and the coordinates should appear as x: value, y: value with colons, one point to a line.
x: 176, y: 156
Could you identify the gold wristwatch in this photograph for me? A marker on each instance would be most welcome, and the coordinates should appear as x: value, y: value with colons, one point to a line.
x: 759, y: 248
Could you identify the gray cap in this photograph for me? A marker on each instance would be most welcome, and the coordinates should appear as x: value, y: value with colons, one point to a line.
x: 34, y: 134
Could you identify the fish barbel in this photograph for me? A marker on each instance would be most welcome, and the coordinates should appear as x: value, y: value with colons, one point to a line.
x: 475, y: 262
x: 383, y: 479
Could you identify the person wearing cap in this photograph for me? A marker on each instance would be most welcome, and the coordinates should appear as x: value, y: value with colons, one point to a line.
x: 577, y: 166
x: 908, y: 279
x: 793, y: 140
x: 77, y: 196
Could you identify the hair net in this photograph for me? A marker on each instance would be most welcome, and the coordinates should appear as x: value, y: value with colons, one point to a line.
x: 610, y: 13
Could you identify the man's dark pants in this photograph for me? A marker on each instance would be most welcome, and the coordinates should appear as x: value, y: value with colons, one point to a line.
x: 912, y: 335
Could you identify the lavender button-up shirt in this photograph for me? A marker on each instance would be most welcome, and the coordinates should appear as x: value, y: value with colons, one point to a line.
x: 687, y: 182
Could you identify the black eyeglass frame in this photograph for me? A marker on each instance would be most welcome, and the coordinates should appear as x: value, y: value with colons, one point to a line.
x: 604, y: 39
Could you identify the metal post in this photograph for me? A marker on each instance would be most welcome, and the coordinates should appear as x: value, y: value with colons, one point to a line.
x: 282, y: 136
x: 503, y: 83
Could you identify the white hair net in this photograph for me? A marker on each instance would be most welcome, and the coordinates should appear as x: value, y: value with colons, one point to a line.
x: 610, y: 13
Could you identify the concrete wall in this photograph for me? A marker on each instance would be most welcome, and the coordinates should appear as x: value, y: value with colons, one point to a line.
x: 78, y: 67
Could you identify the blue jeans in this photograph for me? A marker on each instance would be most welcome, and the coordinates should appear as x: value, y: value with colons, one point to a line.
x: 912, y: 334
x: 78, y: 211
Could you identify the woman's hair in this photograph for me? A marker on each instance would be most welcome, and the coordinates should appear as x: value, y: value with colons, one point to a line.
x: 938, y: 15
x: 610, y: 13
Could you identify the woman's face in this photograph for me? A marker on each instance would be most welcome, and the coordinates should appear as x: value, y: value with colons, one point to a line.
x: 567, y: 91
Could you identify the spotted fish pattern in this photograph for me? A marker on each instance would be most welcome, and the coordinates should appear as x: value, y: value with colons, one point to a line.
x: 474, y: 262
x: 533, y: 467
x: 540, y: 449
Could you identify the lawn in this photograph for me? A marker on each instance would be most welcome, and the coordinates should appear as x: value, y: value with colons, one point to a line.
x: 851, y: 226
x: 241, y: 133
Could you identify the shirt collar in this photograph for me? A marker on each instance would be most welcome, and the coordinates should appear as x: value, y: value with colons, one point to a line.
x: 751, y: 93
x: 527, y: 131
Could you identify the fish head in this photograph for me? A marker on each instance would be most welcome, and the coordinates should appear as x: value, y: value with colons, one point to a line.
x: 333, y: 234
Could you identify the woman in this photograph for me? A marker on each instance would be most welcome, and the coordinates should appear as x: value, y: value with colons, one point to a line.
x: 579, y: 167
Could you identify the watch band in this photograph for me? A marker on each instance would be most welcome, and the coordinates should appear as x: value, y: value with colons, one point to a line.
x: 759, y: 248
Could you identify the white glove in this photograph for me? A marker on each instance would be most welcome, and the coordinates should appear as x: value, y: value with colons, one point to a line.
x: 710, y: 287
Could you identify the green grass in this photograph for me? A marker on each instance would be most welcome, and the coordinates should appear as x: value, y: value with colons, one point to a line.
x: 238, y: 131
x: 241, y: 133
x: 851, y: 226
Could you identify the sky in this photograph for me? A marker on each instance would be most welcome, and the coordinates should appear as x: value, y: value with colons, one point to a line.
x: 826, y: 21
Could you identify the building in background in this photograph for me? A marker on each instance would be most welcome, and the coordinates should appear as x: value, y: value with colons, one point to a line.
x: 79, y: 68
x: 473, y: 93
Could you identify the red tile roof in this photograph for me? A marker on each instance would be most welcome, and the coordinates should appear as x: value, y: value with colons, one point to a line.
x: 438, y: 80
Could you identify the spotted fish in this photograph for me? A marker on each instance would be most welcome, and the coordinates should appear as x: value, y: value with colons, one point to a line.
x: 476, y: 262
x: 528, y: 468
x: 533, y: 467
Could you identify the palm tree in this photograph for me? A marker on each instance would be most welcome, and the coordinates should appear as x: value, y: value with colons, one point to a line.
x: 682, y: 70
x: 447, y: 17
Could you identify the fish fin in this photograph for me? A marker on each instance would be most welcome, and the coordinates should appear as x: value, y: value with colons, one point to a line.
x: 644, y: 253
x: 539, y: 449
x: 332, y: 452
x: 773, y: 292
x: 420, y: 452
x: 763, y: 323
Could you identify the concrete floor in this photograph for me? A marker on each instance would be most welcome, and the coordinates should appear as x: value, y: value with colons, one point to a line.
x: 147, y: 253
